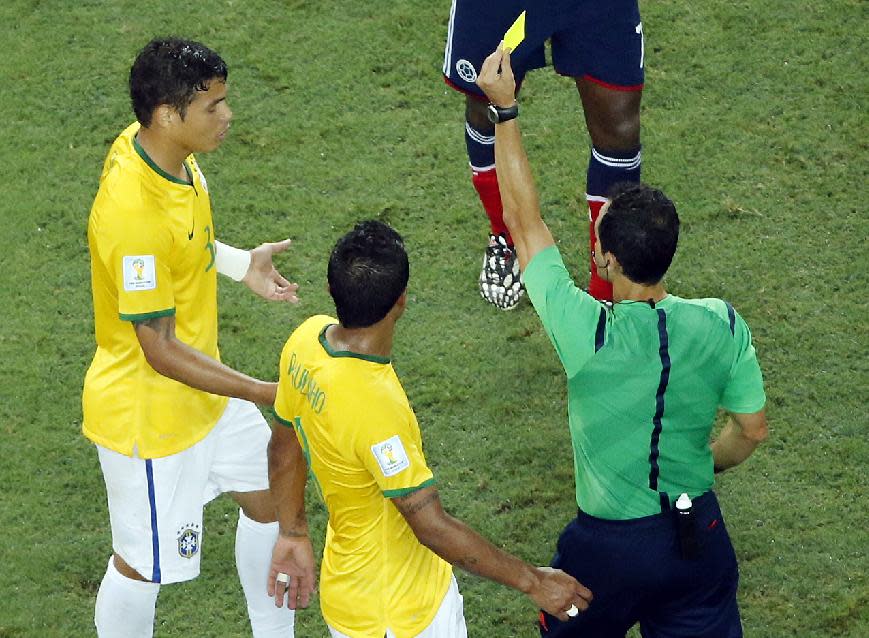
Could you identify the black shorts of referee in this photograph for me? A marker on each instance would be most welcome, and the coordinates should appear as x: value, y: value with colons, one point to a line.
x: 638, y: 575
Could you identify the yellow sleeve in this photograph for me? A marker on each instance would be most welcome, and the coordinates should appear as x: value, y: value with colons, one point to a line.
x: 390, y: 448
x: 138, y: 256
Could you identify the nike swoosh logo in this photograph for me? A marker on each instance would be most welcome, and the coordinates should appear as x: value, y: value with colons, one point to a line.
x: 190, y: 234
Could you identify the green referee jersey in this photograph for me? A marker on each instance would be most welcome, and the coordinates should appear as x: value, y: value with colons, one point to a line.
x: 644, y: 384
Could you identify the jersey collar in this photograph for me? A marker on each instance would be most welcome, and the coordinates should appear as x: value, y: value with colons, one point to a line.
x: 153, y: 165
x: 373, y: 358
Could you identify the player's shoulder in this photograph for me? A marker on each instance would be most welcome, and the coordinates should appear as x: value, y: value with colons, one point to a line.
x: 120, y: 153
x: 315, y: 322
x: 123, y: 192
x: 309, y: 331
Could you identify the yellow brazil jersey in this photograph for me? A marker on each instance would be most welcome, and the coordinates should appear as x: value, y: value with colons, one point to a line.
x: 151, y: 241
x: 363, y: 445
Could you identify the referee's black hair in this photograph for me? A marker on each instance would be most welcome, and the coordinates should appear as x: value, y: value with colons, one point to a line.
x: 641, y: 228
x: 368, y: 272
x: 171, y: 71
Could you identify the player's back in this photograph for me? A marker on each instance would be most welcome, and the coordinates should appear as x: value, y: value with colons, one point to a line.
x: 363, y: 446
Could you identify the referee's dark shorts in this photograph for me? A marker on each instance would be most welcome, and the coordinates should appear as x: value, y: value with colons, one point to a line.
x: 636, y: 572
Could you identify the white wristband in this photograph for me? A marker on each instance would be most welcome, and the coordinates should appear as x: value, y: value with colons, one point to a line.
x: 230, y: 261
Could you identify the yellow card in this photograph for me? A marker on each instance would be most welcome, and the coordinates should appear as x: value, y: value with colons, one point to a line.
x: 515, y: 34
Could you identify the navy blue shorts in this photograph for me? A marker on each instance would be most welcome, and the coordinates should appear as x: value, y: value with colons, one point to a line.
x: 595, y: 39
x: 636, y: 573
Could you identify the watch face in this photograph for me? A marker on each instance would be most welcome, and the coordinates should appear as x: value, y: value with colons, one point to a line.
x: 492, y: 112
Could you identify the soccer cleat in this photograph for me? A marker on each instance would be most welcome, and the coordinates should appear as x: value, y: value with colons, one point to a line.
x: 500, y: 281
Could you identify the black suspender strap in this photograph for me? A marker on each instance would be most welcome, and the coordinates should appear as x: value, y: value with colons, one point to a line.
x: 665, y: 502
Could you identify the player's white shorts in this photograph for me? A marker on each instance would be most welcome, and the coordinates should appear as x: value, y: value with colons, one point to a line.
x: 155, y: 505
x: 449, y: 622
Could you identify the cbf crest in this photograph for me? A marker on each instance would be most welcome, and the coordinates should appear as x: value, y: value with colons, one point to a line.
x: 188, y: 540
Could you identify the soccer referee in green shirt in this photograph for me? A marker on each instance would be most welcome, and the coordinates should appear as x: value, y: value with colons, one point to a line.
x: 646, y: 377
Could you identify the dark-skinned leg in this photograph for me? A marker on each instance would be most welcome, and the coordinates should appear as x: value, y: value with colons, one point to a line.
x: 612, y: 118
x: 125, y: 570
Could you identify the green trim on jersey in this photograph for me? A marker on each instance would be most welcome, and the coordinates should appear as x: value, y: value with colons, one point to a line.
x: 136, y: 318
x: 373, y: 358
x: 153, y: 165
x: 644, y: 384
x: 408, y: 490
x: 283, y: 421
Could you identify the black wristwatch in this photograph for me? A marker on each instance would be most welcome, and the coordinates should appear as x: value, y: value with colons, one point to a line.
x: 501, y: 114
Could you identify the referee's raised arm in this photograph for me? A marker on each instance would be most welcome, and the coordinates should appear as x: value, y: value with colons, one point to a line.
x: 518, y: 192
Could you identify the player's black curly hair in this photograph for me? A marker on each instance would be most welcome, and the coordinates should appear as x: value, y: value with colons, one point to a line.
x: 641, y: 228
x: 368, y: 272
x: 170, y: 71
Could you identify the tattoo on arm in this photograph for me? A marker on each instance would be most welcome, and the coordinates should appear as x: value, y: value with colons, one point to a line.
x: 298, y: 528
x: 163, y: 326
x: 293, y: 533
x: 411, y: 508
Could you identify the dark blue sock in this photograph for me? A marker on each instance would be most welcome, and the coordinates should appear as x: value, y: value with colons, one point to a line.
x: 606, y: 168
x: 481, y: 149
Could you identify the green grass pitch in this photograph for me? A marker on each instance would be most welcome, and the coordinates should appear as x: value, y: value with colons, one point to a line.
x: 754, y: 121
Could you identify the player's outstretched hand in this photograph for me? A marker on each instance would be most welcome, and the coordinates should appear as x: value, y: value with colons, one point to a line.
x: 560, y: 594
x: 496, y: 78
x: 291, y: 574
x: 263, y: 278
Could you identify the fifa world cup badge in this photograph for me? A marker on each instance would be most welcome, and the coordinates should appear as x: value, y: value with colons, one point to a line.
x: 391, y: 456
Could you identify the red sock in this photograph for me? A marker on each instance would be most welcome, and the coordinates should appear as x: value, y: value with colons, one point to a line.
x: 597, y: 287
x: 486, y: 183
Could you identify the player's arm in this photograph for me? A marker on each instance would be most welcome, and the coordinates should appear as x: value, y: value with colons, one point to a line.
x: 292, y: 554
x: 256, y: 269
x: 455, y: 542
x: 175, y: 359
x: 518, y: 193
x: 738, y: 439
